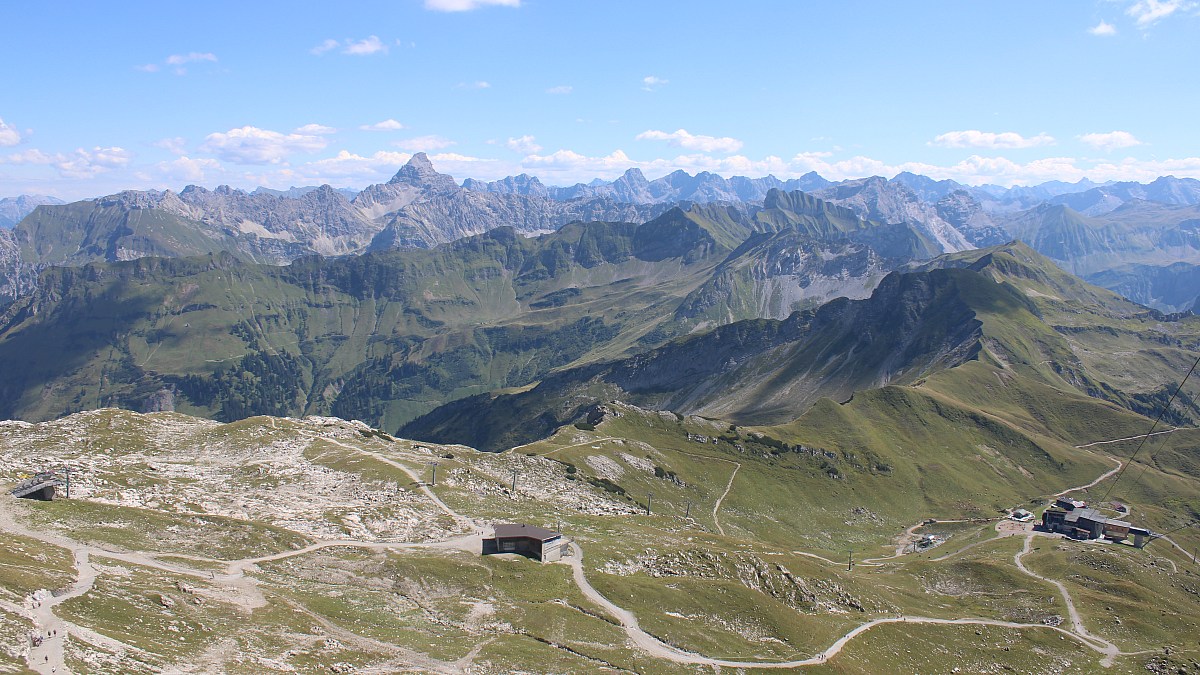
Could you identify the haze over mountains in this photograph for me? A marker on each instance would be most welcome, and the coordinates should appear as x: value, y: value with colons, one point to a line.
x: 1123, y: 230
x: 419, y: 292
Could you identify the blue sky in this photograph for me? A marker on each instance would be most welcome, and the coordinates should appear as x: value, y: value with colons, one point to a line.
x: 160, y: 95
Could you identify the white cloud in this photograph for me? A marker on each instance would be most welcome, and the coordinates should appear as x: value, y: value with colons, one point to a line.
x: 386, y: 125
x: 347, y: 168
x: 176, y: 145
x: 316, y: 129
x: 327, y: 45
x: 187, y: 169
x: 467, y: 5
x: 87, y: 163
x: 32, y: 156
x: 561, y: 89
x: 8, y: 134
x: 682, y: 139
x: 1103, y: 29
x: 1145, y: 13
x: 365, y: 47
x: 478, y: 84
x: 190, y: 57
x: 567, y: 167
x: 349, y: 165
x: 251, y: 145
x: 525, y: 145
x: 178, y: 61
x: 985, y: 139
x: 423, y: 143
x: 1110, y: 141
x: 651, y: 82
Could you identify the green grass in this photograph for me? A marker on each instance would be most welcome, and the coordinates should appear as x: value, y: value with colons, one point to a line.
x: 27, y: 565
x: 129, y: 603
x: 127, y: 528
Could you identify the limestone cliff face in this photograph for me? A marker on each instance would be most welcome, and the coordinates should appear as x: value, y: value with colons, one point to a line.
x: 449, y: 216
x: 12, y: 282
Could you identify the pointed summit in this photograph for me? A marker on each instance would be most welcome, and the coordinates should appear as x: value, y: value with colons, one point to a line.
x: 419, y: 172
x: 420, y: 161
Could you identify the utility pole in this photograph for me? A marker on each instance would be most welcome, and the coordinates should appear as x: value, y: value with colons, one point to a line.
x: 434, y: 481
x: 68, y: 486
x: 649, y: 499
x: 850, y: 560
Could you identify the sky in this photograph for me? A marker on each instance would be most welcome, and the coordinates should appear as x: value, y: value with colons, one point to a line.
x: 101, y: 97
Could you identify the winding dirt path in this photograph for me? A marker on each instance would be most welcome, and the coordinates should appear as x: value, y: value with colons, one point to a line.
x: 717, y: 504
x: 51, y: 648
x: 662, y: 650
x: 47, y: 656
x: 1097, y: 643
x: 1104, y: 475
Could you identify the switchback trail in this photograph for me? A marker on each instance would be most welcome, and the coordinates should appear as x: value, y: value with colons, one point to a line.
x: 1099, y: 644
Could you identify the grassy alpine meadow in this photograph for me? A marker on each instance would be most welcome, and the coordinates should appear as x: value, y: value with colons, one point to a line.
x: 316, y: 544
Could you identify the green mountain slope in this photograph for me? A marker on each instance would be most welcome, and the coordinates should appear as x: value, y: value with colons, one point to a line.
x: 388, y: 336
x: 996, y: 307
x: 380, y: 337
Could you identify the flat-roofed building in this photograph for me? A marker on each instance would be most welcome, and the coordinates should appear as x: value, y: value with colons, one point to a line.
x: 537, y: 542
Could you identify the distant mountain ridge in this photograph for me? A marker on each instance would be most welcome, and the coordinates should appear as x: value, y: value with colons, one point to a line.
x: 420, y: 207
x: 13, y: 209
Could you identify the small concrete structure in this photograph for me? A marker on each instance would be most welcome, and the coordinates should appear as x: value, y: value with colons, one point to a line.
x: 43, y: 486
x: 530, y: 540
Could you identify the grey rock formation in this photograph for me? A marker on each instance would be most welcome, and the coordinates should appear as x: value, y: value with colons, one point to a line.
x: 13, y: 209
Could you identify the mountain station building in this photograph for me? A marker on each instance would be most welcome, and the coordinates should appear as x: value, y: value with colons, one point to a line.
x: 535, y: 542
x: 1084, y: 523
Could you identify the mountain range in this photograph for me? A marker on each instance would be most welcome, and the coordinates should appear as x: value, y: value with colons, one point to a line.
x: 1136, y: 237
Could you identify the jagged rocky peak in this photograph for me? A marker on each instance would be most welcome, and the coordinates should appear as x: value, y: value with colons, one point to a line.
x: 523, y: 184
x: 419, y: 172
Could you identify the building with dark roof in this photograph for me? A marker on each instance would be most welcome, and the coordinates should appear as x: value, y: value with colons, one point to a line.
x: 43, y: 486
x: 1084, y: 523
x: 530, y: 540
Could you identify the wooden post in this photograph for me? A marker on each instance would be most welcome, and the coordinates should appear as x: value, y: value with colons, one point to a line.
x: 68, y: 486
x: 849, y: 560
x: 688, y: 512
x: 514, y: 483
x: 434, y: 481
x: 649, y: 498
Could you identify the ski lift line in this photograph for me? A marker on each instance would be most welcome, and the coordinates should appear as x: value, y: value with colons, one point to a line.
x: 1160, y: 535
x: 1146, y: 468
x: 1146, y: 437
